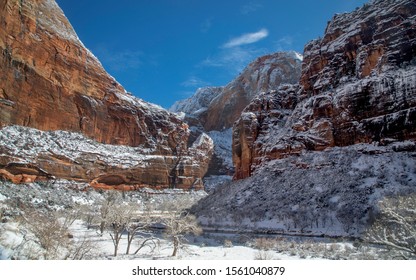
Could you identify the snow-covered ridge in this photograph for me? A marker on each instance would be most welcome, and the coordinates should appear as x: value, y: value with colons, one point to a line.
x: 197, y: 102
x: 28, y: 143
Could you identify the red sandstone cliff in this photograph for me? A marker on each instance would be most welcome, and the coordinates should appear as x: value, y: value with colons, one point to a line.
x: 358, y: 85
x: 50, y: 81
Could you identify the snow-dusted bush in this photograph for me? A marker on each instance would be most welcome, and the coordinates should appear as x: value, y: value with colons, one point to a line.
x: 264, y: 243
x: 263, y: 255
x: 39, y: 234
x: 395, y: 227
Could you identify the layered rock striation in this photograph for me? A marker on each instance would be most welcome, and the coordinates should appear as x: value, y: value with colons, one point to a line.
x: 264, y: 74
x: 28, y: 155
x: 214, y: 109
x: 50, y: 81
x: 358, y: 85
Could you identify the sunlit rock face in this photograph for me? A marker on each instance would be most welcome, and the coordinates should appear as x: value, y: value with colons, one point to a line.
x: 214, y: 109
x: 50, y: 81
x: 358, y: 85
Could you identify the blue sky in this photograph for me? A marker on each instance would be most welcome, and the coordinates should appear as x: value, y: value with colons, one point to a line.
x: 163, y: 50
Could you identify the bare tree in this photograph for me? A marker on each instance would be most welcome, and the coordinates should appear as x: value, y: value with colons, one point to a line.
x: 83, y: 249
x: 90, y: 214
x: 147, y: 241
x: 138, y: 223
x: 111, y: 198
x: 177, y: 225
x: 118, y: 217
x: 395, y: 227
x: 46, y: 235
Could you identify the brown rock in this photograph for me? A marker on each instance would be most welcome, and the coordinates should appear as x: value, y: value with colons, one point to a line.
x: 39, y: 155
x: 267, y: 114
x: 355, y: 45
x: 358, y: 85
x: 50, y: 81
x: 264, y: 74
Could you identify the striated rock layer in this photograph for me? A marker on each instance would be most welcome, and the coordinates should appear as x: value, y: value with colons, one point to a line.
x: 214, y: 109
x: 263, y: 74
x: 50, y: 81
x: 358, y: 85
x: 28, y: 154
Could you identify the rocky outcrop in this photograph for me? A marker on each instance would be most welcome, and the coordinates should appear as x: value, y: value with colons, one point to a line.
x: 265, y: 117
x: 369, y: 41
x: 28, y: 155
x: 50, y: 81
x: 358, y: 85
x: 264, y: 74
x: 214, y: 109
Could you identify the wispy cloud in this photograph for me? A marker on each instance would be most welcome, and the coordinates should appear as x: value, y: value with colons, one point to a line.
x: 120, y: 60
x: 194, y: 82
x: 248, y: 38
x: 250, y: 8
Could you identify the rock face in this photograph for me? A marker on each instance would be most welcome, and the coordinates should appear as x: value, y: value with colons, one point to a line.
x: 197, y: 103
x: 28, y: 154
x: 264, y: 74
x: 358, y: 85
x: 50, y: 81
x: 214, y: 109
x: 265, y: 116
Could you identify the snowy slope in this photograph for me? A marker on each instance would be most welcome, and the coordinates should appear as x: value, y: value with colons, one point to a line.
x: 333, y: 192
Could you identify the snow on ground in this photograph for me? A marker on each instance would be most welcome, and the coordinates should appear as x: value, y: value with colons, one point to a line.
x: 65, y: 196
x: 200, y: 248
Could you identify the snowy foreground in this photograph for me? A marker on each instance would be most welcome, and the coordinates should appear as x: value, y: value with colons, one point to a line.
x: 83, y: 239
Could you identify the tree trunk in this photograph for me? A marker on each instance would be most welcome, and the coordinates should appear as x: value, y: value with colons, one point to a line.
x: 175, y: 246
x: 115, y: 249
x: 102, y: 227
x: 129, y: 240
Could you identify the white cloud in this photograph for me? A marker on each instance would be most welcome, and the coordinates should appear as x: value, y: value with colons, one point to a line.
x: 185, y: 94
x: 248, y: 38
x: 285, y: 43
